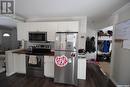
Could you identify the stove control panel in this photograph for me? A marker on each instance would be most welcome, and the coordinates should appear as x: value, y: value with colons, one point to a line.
x: 39, y: 45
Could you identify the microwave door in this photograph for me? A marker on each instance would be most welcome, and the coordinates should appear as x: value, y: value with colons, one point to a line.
x: 37, y: 36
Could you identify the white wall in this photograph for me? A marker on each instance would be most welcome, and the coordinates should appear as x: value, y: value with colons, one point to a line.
x: 103, y: 23
x: 91, y: 32
x: 120, y: 62
x: 82, y: 32
x: 0, y: 38
x: 8, y: 42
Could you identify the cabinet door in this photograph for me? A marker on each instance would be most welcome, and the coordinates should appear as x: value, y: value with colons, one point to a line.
x: 51, y: 30
x: 68, y: 26
x: 22, y: 33
x: 81, y: 68
x: 9, y: 63
x: 49, y: 66
x: 19, y: 63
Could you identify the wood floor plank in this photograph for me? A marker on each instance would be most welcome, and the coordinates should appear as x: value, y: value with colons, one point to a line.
x: 95, y: 78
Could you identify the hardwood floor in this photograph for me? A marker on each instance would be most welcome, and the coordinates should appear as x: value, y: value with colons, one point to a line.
x: 95, y: 78
x: 105, y: 67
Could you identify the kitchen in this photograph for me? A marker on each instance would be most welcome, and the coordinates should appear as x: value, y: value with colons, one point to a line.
x: 41, y: 48
x: 84, y: 17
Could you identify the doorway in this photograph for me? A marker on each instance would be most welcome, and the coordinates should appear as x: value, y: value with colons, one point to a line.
x: 8, y: 38
x: 104, y: 48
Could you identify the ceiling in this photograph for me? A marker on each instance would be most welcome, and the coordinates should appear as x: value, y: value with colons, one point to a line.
x: 95, y: 9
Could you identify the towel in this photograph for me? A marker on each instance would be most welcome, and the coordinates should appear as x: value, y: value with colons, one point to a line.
x: 32, y: 60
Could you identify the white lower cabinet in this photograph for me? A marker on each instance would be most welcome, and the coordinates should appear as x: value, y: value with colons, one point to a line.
x: 49, y: 66
x: 9, y: 63
x: 19, y: 63
x: 81, y: 68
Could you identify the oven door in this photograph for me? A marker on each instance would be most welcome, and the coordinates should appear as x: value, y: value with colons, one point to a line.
x: 37, y: 36
x: 35, y: 65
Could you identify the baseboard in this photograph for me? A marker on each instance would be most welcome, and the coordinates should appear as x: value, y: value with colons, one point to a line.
x: 119, y: 85
x: 123, y: 85
x: 9, y: 74
x: 2, y: 70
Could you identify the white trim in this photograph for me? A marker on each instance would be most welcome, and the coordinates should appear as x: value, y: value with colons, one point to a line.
x: 119, y: 85
x: 123, y: 85
x: 113, y: 81
x: 121, y: 9
x: 9, y: 74
x: 48, y: 19
x: 2, y: 70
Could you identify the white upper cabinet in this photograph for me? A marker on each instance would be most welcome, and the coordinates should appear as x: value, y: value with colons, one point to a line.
x: 51, y: 30
x: 50, y: 27
x: 24, y: 28
x: 68, y: 26
x: 22, y: 33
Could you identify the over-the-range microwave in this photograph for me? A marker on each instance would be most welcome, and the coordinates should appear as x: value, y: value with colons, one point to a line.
x: 37, y: 36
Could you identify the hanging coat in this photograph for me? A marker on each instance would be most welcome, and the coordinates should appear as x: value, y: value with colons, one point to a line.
x: 93, y: 49
x: 106, y: 46
x: 90, y: 45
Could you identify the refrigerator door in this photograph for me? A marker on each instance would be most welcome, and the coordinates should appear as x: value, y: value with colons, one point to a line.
x: 71, y: 41
x: 66, y: 41
x: 60, y: 42
x: 66, y: 74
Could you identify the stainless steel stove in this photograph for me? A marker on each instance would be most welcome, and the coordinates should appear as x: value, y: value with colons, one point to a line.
x: 35, y: 65
x: 35, y: 58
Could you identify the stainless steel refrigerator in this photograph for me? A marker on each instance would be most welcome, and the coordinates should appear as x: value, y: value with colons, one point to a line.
x: 65, y: 70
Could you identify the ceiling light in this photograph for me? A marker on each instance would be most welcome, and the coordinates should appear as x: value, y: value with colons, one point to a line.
x: 6, y: 35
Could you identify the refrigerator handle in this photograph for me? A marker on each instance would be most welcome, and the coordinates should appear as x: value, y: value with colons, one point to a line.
x: 62, y: 45
x: 75, y: 48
